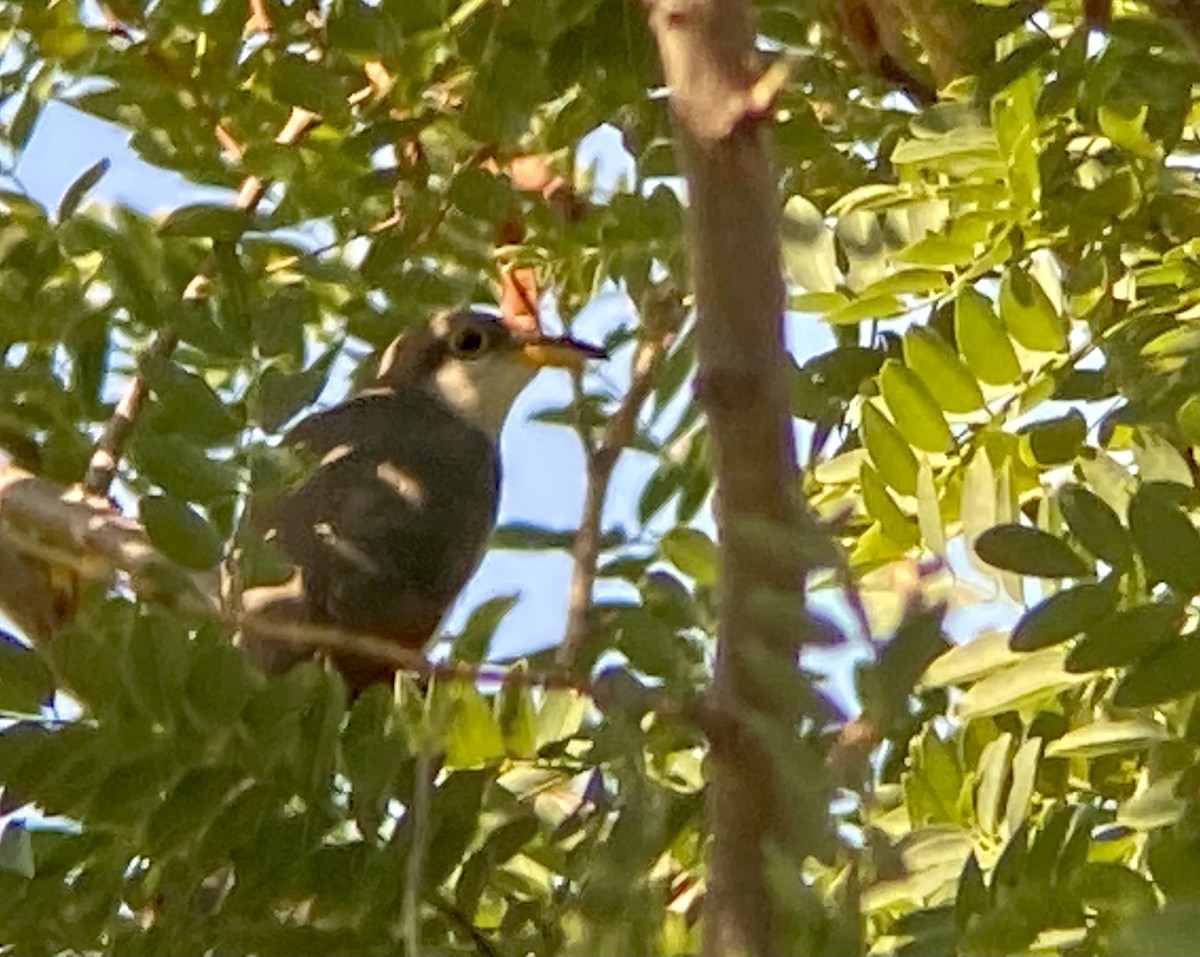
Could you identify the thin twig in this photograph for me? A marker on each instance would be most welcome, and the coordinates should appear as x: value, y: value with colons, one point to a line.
x: 414, y: 867
x: 602, y: 459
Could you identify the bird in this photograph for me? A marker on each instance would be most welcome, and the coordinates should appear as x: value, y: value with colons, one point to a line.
x: 393, y: 520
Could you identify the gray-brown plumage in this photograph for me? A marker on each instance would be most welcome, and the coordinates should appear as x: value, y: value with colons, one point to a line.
x: 391, y: 524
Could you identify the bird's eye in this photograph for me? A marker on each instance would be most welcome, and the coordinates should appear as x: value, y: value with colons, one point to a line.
x: 468, y: 342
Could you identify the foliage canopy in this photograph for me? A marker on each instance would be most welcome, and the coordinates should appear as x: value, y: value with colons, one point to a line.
x: 1005, y: 424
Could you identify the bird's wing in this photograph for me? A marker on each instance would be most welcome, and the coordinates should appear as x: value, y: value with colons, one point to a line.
x: 388, y: 528
x: 366, y: 414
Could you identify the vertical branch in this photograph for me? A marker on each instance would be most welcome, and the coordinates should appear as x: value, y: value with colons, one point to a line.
x: 718, y: 99
x: 414, y: 866
x: 660, y: 323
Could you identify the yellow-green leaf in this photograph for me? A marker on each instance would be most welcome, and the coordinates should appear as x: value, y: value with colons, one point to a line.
x: 984, y: 344
x: 1029, y: 314
x: 889, y: 451
x: 943, y: 372
x: 474, y: 737
x: 916, y: 412
x: 883, y: 508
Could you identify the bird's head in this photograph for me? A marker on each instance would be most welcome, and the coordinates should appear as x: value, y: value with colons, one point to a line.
x: 475, y: 364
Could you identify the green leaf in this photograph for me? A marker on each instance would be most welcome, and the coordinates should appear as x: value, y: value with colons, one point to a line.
x: 278, y: 323
x: 175, y: 463
x: 1119, y: 639
x: 1099, y: 738
x: 1127, y: 129
x: 984, y: 344
x: 187, y: 404
x: 474, y: 737
x: 945, y: 375
x: 866, y: 307
x: 473, y: 642
x: 929, y: 513
x: 1187, y: 417
x: 982, y: 655
x: 206, y: 219
x: 518, y: 720
x: 892, y: 455
x: 972, y: 898
x: 282, y: 395
x: 36, y: 90
x: 914, y: 410
x: 1029, y: 551
x: 1167, y: 540
x: 522, y: 536
x: 180, y: 532
x: 883, y: 508
x: 76, y: 192
x: 1094, y: 524
x: 16, y: 850
x: 1036, y: 678
x: 1054, y: 441
x: 1063, y: 615
x: 1166, y: 674
x: 1029, y: 314
x: 992, y: 770
x: 26, y: 682
x: 1025, y: 764
x: 692, y: 552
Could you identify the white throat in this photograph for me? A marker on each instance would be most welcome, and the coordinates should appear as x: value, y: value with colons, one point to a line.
x: 482, y: 390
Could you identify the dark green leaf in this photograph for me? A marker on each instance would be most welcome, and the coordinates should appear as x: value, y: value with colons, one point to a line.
x: 180, y: 532
x: 282, y: 395
x: 1063, y: 615
x: 26, y: 682
x: 206, y: 219
x: 76, y: 192
x: 1094, y: 524
x: 182, y: 468
x: 1055, y: 441
x: 1167, y: 540
x: 1122, y: 638
x: 521, y: 536
x: 1166, y: 674
x: 1029, y: 551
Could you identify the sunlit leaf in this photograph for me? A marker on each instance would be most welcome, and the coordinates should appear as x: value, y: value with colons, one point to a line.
x: 984, y: 344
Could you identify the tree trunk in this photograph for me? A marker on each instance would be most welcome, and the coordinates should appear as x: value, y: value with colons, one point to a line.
x: 719, y: 101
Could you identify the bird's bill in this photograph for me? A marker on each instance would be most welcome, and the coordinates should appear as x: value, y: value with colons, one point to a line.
x: 560, y: 351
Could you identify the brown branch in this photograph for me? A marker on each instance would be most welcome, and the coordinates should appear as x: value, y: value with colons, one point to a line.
x: 259, y: 20
x: 709, y: 65
x: 43, y: 522
x: 661, y: 321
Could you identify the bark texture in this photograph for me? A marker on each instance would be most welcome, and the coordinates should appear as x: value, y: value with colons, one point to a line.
x: 719, y: 98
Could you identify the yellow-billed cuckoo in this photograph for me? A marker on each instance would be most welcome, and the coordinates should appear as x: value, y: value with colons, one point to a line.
x: 393, y: 521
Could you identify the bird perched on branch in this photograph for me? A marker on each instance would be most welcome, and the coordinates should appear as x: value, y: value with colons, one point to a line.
x: 390, y: 525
